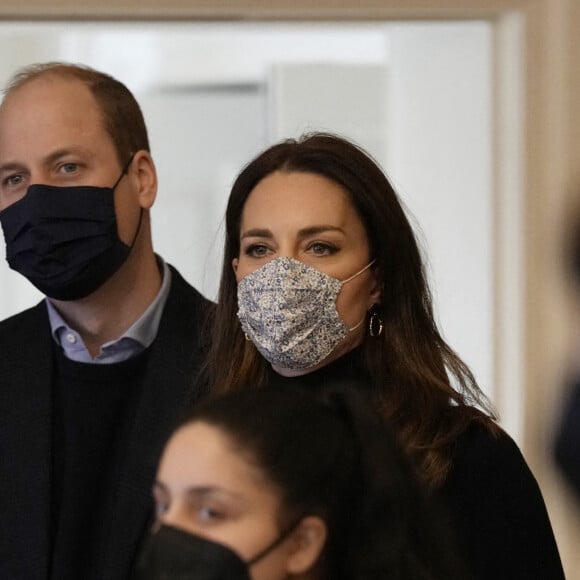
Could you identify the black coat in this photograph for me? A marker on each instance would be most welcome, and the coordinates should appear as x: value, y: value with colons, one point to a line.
x: 26, y: 369
x: 498, y: 512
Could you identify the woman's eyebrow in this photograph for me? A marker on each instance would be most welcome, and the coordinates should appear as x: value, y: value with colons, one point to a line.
x: 302, y: 233
x: 203, y: 491
x: 159, y: 485
x: 257, y: 233
x: 319, y: 229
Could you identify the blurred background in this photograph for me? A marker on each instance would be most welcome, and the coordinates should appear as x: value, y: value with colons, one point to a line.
x: 448, y: 107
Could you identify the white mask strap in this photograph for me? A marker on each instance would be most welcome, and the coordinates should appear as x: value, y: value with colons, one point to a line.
x: 359, y: 272
x: 358, y: 323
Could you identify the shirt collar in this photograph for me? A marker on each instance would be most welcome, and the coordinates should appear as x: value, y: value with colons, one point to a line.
x: 139, y: 336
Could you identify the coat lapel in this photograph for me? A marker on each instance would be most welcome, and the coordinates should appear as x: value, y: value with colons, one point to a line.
x: 168, y: 387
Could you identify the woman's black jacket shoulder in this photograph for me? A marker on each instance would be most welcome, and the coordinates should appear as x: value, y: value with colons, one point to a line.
x: 498, y: 511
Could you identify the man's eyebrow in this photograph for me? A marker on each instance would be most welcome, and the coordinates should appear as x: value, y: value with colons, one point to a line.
x: 55, y: 155
x: 11, y: 166
x: 50, y: 158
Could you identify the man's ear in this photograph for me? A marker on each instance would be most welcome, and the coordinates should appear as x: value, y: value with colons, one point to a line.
x: 145, y: 177
x: 307, y: 544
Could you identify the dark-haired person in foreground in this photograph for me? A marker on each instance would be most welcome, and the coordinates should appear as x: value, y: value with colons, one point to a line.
x: 275, y: 484
x: 322, y: 280
x: 93, y: 378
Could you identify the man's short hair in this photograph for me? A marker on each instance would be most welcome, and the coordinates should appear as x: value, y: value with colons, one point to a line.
x: 122, y: 115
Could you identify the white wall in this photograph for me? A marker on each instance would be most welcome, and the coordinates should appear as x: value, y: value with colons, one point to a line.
x: 201, y: 139
x: 440, y: 160
x: 347, y: 99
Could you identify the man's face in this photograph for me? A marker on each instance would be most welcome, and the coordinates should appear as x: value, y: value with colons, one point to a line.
x: 52, y: 132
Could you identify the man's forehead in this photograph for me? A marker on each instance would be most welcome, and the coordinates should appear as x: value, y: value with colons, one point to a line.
x: 46, y: 103
x: 34, y: 92
x: 50, y: 113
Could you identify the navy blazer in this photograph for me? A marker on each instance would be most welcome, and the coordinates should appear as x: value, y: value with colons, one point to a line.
x: 26, y: 369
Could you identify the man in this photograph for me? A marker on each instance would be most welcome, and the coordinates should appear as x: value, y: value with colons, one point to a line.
x: 93, y: 379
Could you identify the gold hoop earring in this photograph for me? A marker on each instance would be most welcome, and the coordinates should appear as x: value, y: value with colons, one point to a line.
x: 375, y: 322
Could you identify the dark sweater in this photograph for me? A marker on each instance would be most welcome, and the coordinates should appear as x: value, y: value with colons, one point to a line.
x: 490, y: 495
x: 26, y: 439
x: 94, y: 410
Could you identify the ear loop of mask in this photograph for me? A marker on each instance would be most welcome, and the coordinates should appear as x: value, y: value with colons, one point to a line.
x: 279, y: 540
x: 123, y: 173
x: 352, y: 329
x: 359, y: 272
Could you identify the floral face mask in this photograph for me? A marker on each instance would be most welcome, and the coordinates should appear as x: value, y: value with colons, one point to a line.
x: 288, y: 310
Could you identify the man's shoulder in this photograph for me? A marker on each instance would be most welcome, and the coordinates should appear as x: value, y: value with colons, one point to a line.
x: 181, y: 290
x: 23, y: 319
x: 186, y: 312
x: 24, y: 338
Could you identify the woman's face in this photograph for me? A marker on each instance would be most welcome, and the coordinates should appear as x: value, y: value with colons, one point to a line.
x: 310, y: 218
x: 205, y: 486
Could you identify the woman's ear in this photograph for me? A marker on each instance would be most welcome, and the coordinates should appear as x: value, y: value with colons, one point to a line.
x: 375, y: 293
x: 145, y: 174
x: 235, y: 263
x: 308, y: 542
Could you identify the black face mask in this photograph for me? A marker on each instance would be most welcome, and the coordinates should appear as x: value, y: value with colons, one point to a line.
x: 173, y: 554
x: 64, y: 240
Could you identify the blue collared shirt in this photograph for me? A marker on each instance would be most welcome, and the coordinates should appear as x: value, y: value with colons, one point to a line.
x: 136, y: 338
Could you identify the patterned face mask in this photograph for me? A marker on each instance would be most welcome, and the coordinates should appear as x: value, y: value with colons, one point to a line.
x: 288, y: 310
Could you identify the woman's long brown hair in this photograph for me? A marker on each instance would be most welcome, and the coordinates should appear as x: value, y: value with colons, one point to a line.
x: 416, y: 380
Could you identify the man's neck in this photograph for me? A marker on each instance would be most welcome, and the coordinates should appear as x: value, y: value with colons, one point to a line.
x: 108, y: 312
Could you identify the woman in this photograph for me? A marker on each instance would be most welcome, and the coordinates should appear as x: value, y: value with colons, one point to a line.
x: 323, y: 278
x: 304, y: 489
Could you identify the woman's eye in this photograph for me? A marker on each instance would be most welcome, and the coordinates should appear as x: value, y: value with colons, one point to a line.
x: 257, y: 250
x: 322, y: 249
x: 160, y: 508
x: 208, y: 513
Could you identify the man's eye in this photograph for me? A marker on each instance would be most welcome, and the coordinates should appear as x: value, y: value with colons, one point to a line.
x: 14, y: 180
x: 69, y: 167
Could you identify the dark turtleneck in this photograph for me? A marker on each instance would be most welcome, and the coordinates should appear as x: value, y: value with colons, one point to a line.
x: 94, y: 407
x: 347, y: 368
